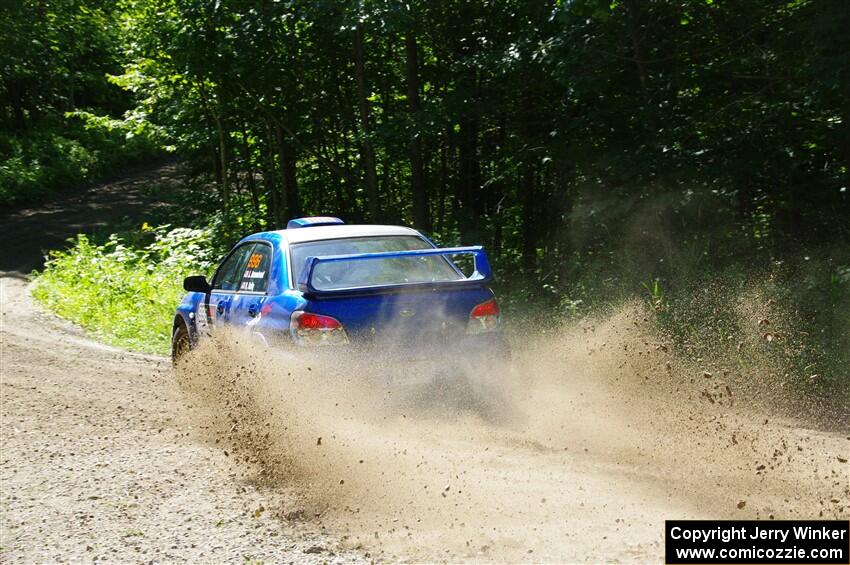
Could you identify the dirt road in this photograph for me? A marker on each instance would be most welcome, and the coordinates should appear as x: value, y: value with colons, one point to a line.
x: 607, y: 434
x: 99, y: 460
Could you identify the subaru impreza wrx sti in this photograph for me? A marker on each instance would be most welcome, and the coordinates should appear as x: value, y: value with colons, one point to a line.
x: 368, y: 290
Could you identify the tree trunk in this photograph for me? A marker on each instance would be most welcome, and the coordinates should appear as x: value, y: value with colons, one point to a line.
x: 529, y: 226
x: 275, y: 214
x: 418, y: 186
x: 216, y: 162
x: 530, y: 194
x: 441, y: 197
x: 344, y: 151
x: 290, y: 204
x: 495, y: 196
x: 651, y: 125
x: 469, y: 180
x: 365, y: 125
x: 251, y: 180
x: 222, y: 155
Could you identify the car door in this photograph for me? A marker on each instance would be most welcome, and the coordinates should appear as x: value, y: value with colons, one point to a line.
x: 225, y: 284
x: 253, y: 286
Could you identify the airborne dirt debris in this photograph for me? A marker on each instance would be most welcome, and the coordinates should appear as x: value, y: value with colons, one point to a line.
x: 586, y: 448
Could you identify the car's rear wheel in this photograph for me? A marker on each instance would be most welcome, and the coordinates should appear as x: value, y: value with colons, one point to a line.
x: 181, y: 344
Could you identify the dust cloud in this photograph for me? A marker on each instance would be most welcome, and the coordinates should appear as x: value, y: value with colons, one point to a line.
x: 597, y: 433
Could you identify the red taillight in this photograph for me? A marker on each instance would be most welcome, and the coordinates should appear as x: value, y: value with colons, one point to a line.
x: 489, y: 308
x: 315, y: 329
x: 308, y: 321
x: 484, y: 318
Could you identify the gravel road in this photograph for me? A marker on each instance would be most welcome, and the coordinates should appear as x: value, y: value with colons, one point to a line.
x: 99, y: 461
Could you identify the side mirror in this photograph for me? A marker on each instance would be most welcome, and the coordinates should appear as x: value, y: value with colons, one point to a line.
x: 196, y: 283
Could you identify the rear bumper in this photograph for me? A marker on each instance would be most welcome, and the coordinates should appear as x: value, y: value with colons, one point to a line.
x: 466, y: 357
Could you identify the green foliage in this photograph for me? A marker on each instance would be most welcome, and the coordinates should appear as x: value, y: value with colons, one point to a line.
x: 59, y: 114
x: 55, y: 56
x: 657, y: 294
x: 126, y: 289
x: 53, y: 157
x: 543, y: 130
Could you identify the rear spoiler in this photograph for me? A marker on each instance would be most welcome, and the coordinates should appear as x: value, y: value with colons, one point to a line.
x: 482, y: 274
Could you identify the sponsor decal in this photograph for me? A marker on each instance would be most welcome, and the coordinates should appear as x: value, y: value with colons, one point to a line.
x: 254, y: 260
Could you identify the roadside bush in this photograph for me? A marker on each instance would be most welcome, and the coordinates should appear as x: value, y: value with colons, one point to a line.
x: 783, y: 321
x: 125, y: 290
x: 788, y: 321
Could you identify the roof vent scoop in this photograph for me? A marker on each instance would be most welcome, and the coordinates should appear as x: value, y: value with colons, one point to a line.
x: 313, y: 221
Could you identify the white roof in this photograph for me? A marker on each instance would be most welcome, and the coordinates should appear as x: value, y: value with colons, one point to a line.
x: 299, y: 235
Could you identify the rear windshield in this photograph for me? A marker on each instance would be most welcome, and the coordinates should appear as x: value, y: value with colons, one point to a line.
x: 350, y: 274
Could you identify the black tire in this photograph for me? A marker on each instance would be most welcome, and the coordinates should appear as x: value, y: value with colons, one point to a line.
x: 181, y: 343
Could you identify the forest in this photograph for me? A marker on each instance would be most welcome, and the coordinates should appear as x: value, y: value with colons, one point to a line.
x: 598, y: 149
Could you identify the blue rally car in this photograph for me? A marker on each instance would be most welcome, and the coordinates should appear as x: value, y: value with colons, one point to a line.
x: 323, y: 285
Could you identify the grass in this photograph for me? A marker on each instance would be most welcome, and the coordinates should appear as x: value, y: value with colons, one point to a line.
x: 124, y: 291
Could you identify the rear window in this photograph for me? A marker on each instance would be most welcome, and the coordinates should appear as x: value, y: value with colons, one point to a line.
x: 398, y: 270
